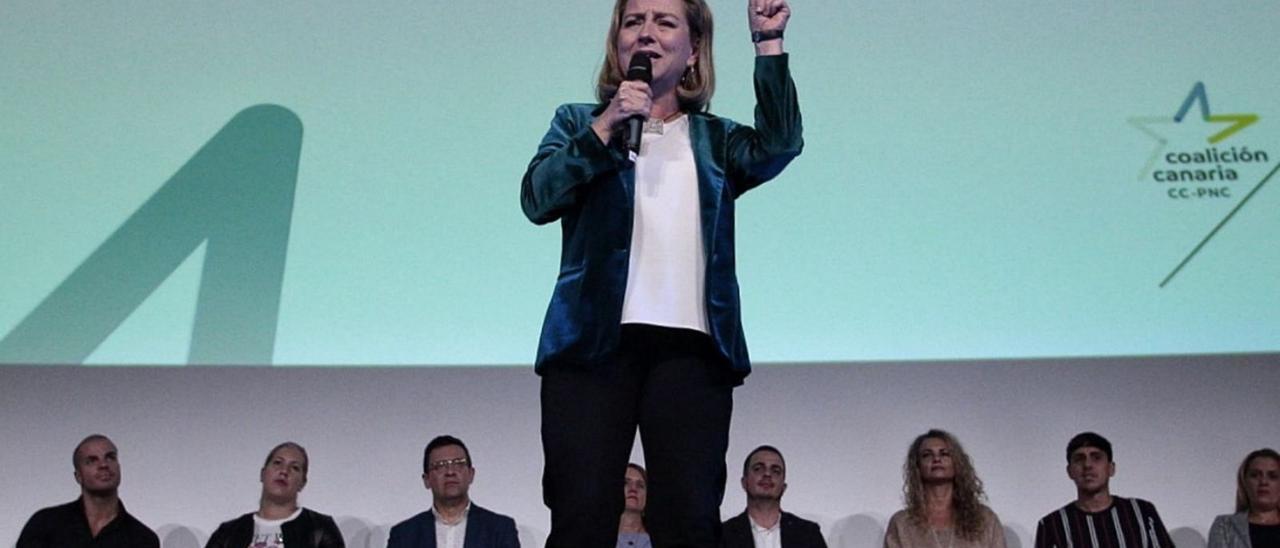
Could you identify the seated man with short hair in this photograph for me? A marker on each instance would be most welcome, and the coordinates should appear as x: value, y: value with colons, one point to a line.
x: 97, y: 518
x: 764, y: 524
x: 1096, y: 518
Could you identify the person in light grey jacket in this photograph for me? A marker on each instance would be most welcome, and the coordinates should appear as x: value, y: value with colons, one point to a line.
x: 1256, y: 523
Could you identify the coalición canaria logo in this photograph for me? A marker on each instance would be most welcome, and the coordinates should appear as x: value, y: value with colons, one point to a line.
x: 1196, y: 166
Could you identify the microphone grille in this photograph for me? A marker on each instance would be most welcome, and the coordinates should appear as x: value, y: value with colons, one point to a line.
x: 641, y: 68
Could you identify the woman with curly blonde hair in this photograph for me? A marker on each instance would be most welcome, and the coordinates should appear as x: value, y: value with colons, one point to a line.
x: 943, y: 498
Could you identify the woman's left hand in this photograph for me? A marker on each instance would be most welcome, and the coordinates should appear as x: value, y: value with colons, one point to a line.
x: 768, y: 14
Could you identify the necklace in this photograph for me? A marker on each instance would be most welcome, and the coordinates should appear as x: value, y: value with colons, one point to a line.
x: 655, y: 125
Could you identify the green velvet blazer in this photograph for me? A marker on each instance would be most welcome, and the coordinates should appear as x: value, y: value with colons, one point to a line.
x: 589, y: 186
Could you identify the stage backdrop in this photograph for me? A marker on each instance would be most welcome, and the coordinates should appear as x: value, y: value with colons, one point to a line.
x: 315, y: 182
x: 1015, y: 220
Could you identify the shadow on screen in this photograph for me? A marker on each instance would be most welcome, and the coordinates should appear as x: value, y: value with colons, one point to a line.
x: 1186, y: 537
x: 359, y: 533
x: 530, y: 536
x: 1013, y: 536
x: 177, y: 536
x: 856, y: 531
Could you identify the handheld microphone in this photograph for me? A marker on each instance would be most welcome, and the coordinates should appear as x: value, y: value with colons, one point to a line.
x: 641, y: 69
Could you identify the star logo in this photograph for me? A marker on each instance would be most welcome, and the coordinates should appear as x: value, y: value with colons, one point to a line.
x: 1198, y: 96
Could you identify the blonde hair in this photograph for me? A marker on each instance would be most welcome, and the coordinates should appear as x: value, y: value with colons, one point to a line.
x: 1242, y: 493
x: 699, y: 81
x: 306, y: 461
x: 966, y: 494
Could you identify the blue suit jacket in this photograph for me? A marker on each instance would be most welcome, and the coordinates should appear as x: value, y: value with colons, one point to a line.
x: 485, y: 529
x: 590, y: 188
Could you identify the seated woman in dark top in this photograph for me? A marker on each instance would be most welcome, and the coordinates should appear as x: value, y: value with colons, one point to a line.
x: 279, y: 521
x: 1256, y: 523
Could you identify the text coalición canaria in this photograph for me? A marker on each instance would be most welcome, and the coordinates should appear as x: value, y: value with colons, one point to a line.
x: 1210, y: 164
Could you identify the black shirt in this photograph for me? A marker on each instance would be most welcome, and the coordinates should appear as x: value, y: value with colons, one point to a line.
x: 1264, y: 536
x: 66, y: 526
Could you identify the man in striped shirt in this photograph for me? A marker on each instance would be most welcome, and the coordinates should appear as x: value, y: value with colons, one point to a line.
x: 1097, y: 519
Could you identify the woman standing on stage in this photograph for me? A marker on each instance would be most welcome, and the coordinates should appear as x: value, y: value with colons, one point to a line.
x: 644, y: 328
x: 943, y: 498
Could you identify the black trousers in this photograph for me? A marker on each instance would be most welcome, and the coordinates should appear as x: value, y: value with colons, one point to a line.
x: 673, y: 386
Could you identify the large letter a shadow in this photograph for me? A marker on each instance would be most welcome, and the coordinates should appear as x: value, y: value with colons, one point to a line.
x: 236, y: 193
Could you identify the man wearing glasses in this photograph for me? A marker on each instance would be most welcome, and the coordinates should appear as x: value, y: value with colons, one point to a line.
x: 453, y: 521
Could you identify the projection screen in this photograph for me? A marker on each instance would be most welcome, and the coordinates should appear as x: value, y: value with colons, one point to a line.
x: 318, y: 183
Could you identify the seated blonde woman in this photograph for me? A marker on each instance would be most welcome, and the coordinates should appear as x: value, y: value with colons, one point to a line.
x: 943, y: 498
x: 1256, y: 523
x: 280, y: 521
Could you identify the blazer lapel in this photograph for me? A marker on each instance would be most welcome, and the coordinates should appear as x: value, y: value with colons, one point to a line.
x: 710, y: 178
x: 1240, y: 522
x: 473, y: 538
x: 429, y: 532
x: 783, y: 522
x: 743, y: 531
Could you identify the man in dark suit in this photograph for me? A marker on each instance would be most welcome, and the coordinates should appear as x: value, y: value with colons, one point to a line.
x: 764, y: 524
x: 453, y: 521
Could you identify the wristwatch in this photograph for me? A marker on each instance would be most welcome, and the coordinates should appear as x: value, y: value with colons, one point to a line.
x: 758, y: 36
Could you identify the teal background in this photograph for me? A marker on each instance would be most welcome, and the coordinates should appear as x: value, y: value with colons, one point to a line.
x: 967, y: 189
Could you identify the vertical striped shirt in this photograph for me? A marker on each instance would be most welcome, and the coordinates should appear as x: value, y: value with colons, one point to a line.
x: 1128, y: 523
